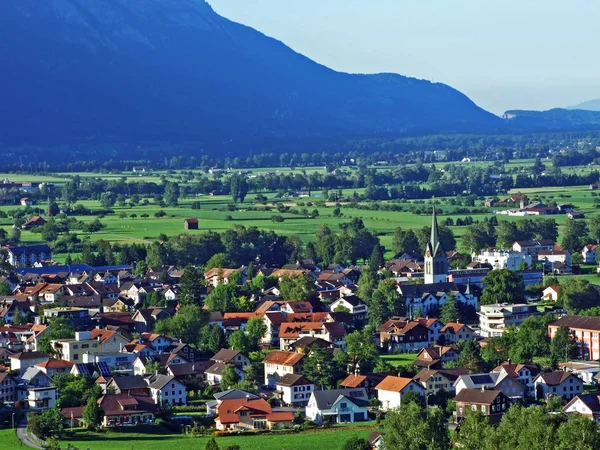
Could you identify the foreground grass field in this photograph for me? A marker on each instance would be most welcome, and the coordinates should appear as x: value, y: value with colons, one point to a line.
x: 328, y: 439
x: 8, y: 440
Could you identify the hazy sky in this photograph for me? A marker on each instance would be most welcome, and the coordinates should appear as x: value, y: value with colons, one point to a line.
x: 507, y: 54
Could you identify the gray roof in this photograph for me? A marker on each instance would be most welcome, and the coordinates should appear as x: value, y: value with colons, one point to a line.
x: 325, y: 399
x: 31, y: 372
x: 160, y: 381
x: 233, y: 394
x: 475, y: 381
x: 130, y: 382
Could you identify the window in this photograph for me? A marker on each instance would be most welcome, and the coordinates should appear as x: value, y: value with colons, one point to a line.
x: 85, y: 345
x: 482, y: 408
x: 473, y: 407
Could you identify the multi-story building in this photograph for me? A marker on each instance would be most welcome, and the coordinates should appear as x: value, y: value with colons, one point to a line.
x: 8, y: 388
x: 502, y: 259
x: 278, y: 363
x: 585, y: 330
x: 24, y: 256
x: 494, y: 319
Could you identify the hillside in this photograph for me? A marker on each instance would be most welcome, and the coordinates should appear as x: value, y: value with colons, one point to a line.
x: 552, y: 119
x: 175, y: 71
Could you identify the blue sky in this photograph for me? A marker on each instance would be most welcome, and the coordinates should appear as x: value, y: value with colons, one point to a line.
x: 510, y: 54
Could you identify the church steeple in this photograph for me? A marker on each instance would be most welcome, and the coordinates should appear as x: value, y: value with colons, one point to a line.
x: 435, y: 232
x: 436, y: 260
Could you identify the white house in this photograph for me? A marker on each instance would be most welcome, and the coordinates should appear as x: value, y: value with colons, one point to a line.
x: 21, y: 361
x: 391, y: 390
x: 279, y: 363
x: 165, y: 388
x: 585, y: 404
x: 35, y: 388
x: 456, y: 332
x: 295, y: 389
x: 215, y: 372
x: 338, y: 405
x: 589, y: 254
x: 551, y: 293
x: 352, y: 303
x: 563, y: 384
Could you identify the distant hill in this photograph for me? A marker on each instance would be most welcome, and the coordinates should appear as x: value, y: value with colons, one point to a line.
x: 175, y: 71
x: 552, y: 119
x: 590, y: 105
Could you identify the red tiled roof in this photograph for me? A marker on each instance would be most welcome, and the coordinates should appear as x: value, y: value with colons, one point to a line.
x: 395, y: 384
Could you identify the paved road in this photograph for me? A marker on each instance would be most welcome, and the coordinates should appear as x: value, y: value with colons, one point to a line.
x: 24, y: 437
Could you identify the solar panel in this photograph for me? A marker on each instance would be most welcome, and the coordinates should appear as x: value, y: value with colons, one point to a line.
x: 82, y: 369
x: 482, y: 379
x: 104, y: 369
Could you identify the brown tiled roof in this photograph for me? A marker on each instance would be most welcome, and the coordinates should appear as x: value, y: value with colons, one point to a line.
x: 225, y: 355
x: 554, y: 378
x: 452, y: 327
x: 478, y: 396
x: 451, y: 374
x: 283, y: 358
x: 395, y: 384
x: 579, y: 322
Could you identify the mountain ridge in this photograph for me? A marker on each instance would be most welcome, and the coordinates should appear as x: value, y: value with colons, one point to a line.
x: 174, y: 70
x: 589, y: 105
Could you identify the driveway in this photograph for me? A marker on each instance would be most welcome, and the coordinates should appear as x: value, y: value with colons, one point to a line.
x: 24, y: 436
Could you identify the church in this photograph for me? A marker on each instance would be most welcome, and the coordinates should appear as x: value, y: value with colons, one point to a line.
x: 429, y: 296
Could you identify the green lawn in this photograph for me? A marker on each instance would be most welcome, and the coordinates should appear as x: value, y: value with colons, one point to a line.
x: 9, y: 441
x: 328, y: 439
x: 399, y: 360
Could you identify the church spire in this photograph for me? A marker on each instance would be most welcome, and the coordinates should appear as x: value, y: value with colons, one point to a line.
x: 435, y: 232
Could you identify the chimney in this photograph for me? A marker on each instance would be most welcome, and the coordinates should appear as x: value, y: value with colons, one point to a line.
x: 483, y: 388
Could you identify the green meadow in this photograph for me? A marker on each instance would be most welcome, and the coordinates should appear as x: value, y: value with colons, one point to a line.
x: 325, y: 439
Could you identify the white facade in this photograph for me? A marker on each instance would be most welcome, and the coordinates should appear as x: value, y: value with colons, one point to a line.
x: 502, y: 259
x: 494, y: 319
x: 343, y: 409
x: 43, y: 397
x: 173, y: 393
x: 296, y: 395
x: 567, y: 389
x: 393, y: 399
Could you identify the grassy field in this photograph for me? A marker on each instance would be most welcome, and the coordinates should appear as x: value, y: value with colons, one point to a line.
x: 214, y: 216
x: 400, y: 360
x: 9, y: 441
x: 328, y: 439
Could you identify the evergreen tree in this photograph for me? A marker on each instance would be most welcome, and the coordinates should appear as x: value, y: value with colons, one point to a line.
x: 211, y: 444
x: 366, y: 284
x: 192, y: 287
x: 376, y: 260
x: 470, y: 356
x: 449, y: 312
